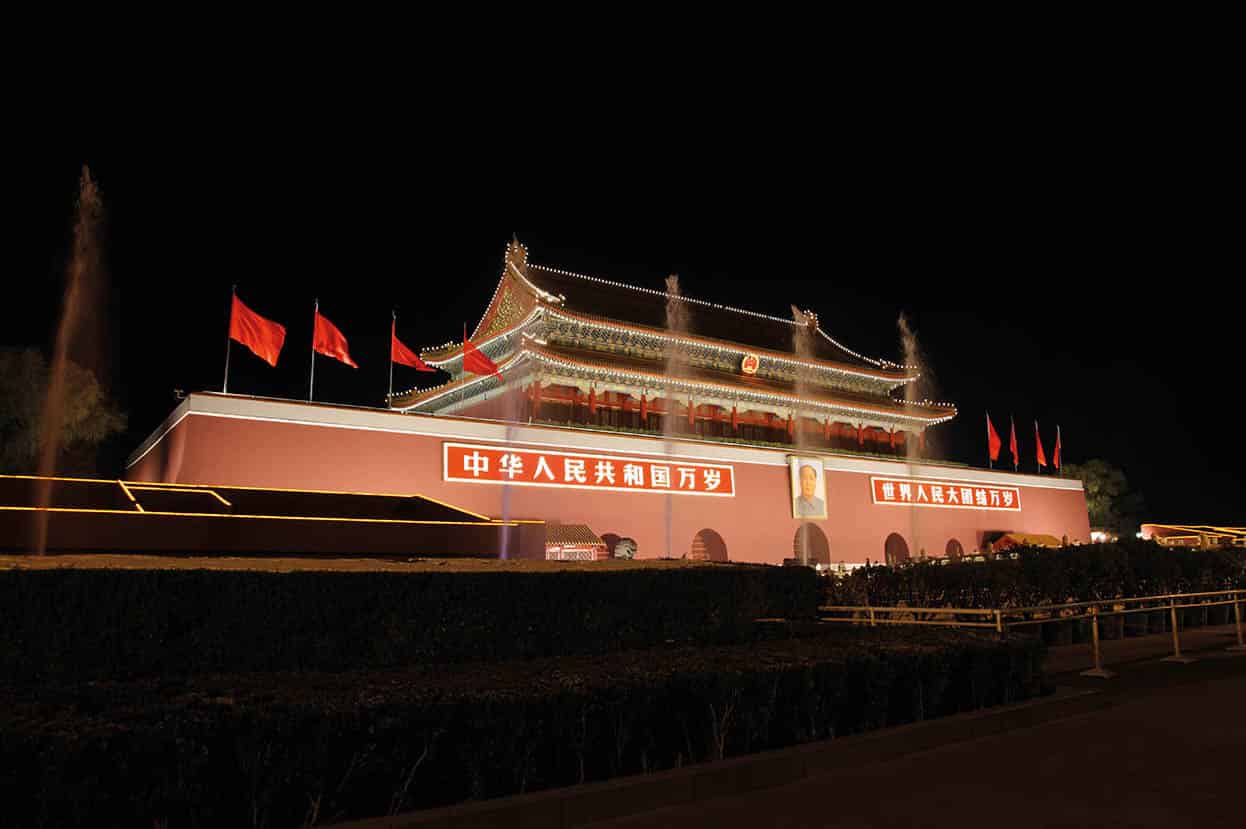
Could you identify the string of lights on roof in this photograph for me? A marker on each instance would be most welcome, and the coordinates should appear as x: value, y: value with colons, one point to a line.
x: 680, y: 297
x: 647, y: 380
x: 563, y: 316
x: 457, y: 383
x: 660, y: 382
x: 532, y: 315
x: 881, y: 363
x: 720, y: 349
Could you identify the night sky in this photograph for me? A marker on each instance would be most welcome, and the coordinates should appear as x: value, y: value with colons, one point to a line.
x: 1087, y: 295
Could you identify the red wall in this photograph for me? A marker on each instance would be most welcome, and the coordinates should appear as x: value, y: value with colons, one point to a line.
x: 756, y: 524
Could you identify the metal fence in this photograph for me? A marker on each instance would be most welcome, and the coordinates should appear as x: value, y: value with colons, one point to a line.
x: 1005, y: 619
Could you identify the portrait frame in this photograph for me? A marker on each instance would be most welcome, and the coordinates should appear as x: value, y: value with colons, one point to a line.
x: 807, y: 506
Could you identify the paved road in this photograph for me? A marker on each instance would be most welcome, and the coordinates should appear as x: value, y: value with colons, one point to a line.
x: 1169, y: 752
x: 1073, y: 658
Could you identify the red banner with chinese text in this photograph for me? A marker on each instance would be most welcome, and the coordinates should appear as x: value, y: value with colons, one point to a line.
x: 947, y: 494
x: 472, y: 463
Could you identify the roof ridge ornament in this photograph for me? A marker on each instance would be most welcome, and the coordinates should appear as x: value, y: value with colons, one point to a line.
x: 517, y: 253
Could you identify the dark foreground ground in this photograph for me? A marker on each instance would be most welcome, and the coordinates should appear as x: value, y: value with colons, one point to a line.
x: 1168, y: 751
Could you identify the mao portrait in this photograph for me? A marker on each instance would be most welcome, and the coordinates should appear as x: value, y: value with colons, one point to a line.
x: 808, y: 488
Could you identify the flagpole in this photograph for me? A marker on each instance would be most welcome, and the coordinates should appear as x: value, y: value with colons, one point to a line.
x: 1059, y: 461
x: 311, y: 387
x: 990, y: 464
x: 1012, y: 439
x: 229, y: 340
x: 393, y: 332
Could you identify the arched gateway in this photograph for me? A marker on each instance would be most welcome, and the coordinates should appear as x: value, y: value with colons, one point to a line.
x: 810, y: 546
x: 708, y: 545
x: 896, y: 550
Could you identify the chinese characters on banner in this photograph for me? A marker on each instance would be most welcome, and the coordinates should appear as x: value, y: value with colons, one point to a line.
x: 534, y: 467
x: 946, y: 494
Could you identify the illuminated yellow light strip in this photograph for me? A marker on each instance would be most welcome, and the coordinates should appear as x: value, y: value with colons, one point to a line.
x: 213, y: 493
x: 199, y: 487
x: 54, y: 478
x: 130, y: 495
x: 490, y: 523
x: 1198, y: 528
x: 457, y: 509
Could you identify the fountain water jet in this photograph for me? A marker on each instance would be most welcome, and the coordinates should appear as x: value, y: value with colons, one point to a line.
x: 512, y: 402
x: 82, y: 279
x: 802, y: 346
x: 676, y: 324
x: 509, y: 415
x: 914, y: 358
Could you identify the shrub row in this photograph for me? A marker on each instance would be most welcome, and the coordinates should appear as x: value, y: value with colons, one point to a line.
x: 292, y: 750
x: 96, y: 623
x: 1041, y: 575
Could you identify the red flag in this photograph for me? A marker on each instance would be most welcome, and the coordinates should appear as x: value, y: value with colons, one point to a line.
x: 404, y: 356
x: 1012, y: 443
x: 328, y: 340
x: 1038, y: 446
x: 992, y: 439
x: 475, y: 361
x: 1055, y: 457
x: 264, y: 337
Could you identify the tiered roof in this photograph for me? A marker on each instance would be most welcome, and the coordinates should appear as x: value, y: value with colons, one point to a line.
x: 546, y: 316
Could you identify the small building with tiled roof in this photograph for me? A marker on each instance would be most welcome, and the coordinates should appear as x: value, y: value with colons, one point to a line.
x: 573, y: 542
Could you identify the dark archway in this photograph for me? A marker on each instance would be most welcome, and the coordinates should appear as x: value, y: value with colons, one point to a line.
x: 954, y: 550
x: 610, y: 539
x: 708, y: 545
x: 810, y: 545
x: 896, y: 550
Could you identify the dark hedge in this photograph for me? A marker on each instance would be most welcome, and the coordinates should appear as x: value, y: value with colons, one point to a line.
x: 85, y: 624
x: 1045, y: 576
x: 284, y: 750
